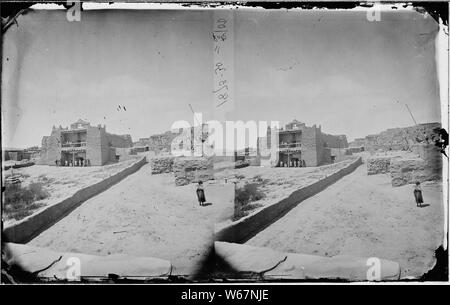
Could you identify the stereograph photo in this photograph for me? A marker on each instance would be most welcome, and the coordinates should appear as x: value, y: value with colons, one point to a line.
x: 241, y: 143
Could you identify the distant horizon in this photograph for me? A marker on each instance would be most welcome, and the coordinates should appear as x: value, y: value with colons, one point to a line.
x: 159, y: 133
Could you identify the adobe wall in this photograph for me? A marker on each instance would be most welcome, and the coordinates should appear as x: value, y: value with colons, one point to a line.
x: 51, y: 147
x: 335, y: 141
x: 112, y: 154
x: 28, y: 228
x: 323, y: 151
x: 94, y: 146
x: 340, y: 153
x: 121, y: 141
x: 247, y: 227
x: 124, y: 153
x: 308, y: 148
x: 356, y: 149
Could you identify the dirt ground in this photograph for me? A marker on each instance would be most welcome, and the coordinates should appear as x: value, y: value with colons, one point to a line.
x: 364, y: 216
x: 277, y: 182
x: 144, y: 215
x: 61, y: 182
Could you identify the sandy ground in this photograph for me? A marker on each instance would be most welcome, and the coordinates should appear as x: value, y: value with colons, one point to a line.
x: 61, y: 182
x: 278, y: 183
x: 364, y: 216
x: 144, y: 215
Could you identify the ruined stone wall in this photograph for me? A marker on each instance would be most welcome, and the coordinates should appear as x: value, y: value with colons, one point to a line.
x: 400, y: 138
x: 161, y: 143
x: 192, y: 169
x: 426, y: 167
x: 161, y: 164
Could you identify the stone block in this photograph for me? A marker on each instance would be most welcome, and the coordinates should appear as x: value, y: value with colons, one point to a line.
x: 378, y: 165
x: 405, y: 171
x: 162, y: 164
x: 192, y: 169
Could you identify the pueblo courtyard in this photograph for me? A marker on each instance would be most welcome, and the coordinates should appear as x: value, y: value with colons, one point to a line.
x: 153, y: 211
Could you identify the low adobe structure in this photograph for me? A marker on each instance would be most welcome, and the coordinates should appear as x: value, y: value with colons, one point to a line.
x: 82, y: 145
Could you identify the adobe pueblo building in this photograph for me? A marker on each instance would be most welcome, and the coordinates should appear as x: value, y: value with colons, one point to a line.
x: 82, y: 145
x: 298, y: 145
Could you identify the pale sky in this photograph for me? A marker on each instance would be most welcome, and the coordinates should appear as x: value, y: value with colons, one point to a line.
x: 331, y: 68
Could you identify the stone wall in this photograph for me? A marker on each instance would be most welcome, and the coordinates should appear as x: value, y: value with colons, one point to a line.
x: 378, y: 165
x: 162, y: 164
x: 400, y: 138
x: 405, y: 171
x: 192, y: 169
x: 161, y: 143
x: 427, y: 167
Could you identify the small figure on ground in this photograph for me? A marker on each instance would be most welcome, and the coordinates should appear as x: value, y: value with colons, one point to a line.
x: 418, y: 194
x: 200, y: 193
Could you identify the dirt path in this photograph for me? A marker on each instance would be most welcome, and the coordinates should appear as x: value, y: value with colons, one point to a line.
x: 364, y: 216
x: 143, y: 215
